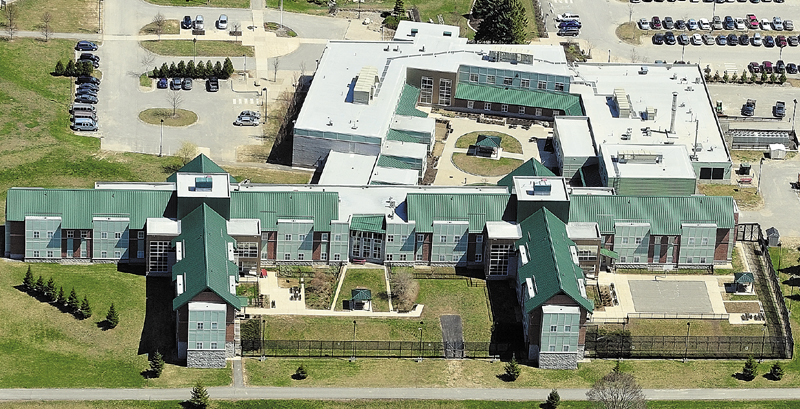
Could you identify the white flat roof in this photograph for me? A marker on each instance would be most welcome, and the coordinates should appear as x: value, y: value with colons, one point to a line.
x: 503, y: 230
x: 162, y: 226
x: 187, y: 185
x: 405, y: 149
x: 526, y: 185
x: 413, y: 123
x: 554, y: 309
x: 404, y: 31
x: 244, y: 227
x: 674, y: 164
x: 347, y: 169
x: 596, y: 84
x: 583, y: 230
x: 394, y: 176
x: 575, y: 136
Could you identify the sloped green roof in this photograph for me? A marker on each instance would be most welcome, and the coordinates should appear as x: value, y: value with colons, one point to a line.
x: 407, y: 104
x: 569, y: 103
x: 530, y: 168
x: 405, y: 136
x: 205, y: 263
x: 476, y: 208
x: 550, y: 266
x: 200, y: 164
x: 76, y: 207
x: 322, y: 207
x: 665, y: 214
x: 743, y: 278
x: 367, y: 222
x: 360, y: 294
x: 387, y: 161
x: 609, y: 253
x: 488, y: 141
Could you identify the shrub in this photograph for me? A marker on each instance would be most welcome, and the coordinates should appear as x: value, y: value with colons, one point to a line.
x: 60, y: 298
x: 50, y: 289
x: 513, y: 369
x: 716, y: 77
x: 173, y: 70
x: 199, y: 398
x: 617, y: 367
x: 156, y: 72
x: 181, y: 68
x: 59, y: 70
x: 773, y: 78
x: 725, y: 78
x: 391, y: 22
x: 776, y: 372
x: 164, y: 71
x: 553, y: 400
x: 69, y: 71
x: 190, y: 70
x: 750, y: 369
x: 72, y: 301
x: 112, y: 318
x: 86, y: 309
x: 227, y: 68
x: 782, y: 78
x: 156, y: 364
x: 301, y: 372
x: 27, y: 282
x: 200, y: 70
x: 39, y: 286
x: 404, y: 290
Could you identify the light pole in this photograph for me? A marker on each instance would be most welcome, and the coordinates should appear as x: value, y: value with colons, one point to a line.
x: 763, y: 340
x: 683, y: 52
x: 99, y: 28
x: 686, y: 351
x: 194, y: 41
x: 359, y: 10
x: 281, y: 13
x: 161, y: 143
x: 244, y: 57
x: 262, y: 338
x: 609, y: 55
x: 794, y: 111
x: 264, y: 94
x: 420, y: 341
x: 353, y: 357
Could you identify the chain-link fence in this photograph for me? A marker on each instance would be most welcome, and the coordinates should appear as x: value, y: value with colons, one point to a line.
x: 378, y: 349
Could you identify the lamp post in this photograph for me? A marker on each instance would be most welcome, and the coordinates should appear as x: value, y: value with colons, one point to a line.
x: 683, y: 52
x: 763, y: 341
x: 794, y: 111
x: 264, y: 94
x: 359, y: 10
x: 194, y: 42
x: 244, y: 57
x: 420, y: 341
x: 353, y: 357
x: 609, y: 55
x: 262, y: 338
x: 161, y: 143
x: 686, y: 351
x: 99, y: 24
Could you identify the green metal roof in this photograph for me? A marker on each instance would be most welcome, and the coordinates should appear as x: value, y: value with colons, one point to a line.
x: 477, y: 208
x: 609, y: 253
x: 200, y: 164
x: 367, y: 222
x: 488, y: 141
x: 530, y: 168
x: 406, y: 136
x: 550, y: 265
x: 407, y: 104
x: 665, y: 214
x: 743, y: 278
x: 360, y: 294
x: 569, y: 103
x: 322, y: 207
x: 387, y: 161
x: 205, y: 263
x: 76, y: 207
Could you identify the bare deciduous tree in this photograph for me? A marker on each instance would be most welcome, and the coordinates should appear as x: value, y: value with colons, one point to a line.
x: 236, y: 28
x: 11, y: 15
x: 404, y: 289
x: 275, y: 63
x: 46, y: 29
x: 159, y: 22
x: 147, y: 60
x: 617, y: 390
x: 186, y: 152
x: 302, y: 69
x: 634, y: 55
x: 175, y: 100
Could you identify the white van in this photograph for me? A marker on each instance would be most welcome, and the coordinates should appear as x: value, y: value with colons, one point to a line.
x: 84, y: 124
x: 84, y: 114
x: 568, y: 17
x: 78, y: 107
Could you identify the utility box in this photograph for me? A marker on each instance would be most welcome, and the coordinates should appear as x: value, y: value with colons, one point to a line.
x: 777, y: 151
x: 773, y: 237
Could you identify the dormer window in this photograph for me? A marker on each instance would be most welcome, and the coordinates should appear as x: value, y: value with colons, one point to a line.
x: 203, y: 184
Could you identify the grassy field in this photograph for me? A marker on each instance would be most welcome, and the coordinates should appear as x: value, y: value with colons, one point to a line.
x: 53, y: 349
x: 746, y: 156
x: 639, y: 327
x: 68, y: 16
x: 154, y: 116
x: 372, y: 279
x: 170, y: 27
x: 507, y: 142
x: 209, y: 48
x: 629, y: 33
x: 242, y: 4
x: 746, y: 198
x: 484, y: 166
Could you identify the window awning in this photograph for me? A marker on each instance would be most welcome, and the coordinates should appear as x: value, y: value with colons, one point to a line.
x: 609, y: 253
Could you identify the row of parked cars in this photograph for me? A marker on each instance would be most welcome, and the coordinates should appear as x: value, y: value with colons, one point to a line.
x: 568, y: 24
x: 756, y: 40
x: 779, y: 67
x: 84, y: 115
x: 750, y: 22
x: 199, y: 23
x: 178, y: 83
x: 248, y: 118
x: 778, y: 110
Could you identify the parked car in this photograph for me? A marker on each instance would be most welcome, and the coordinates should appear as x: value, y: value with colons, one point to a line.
x: 722, y: 39
x: 779, y: 110
x: 777, y: 24
x: 708, y: 39
x: 692, y: 24
x: 187, y: 22
x: 86, y: 99
x: 740, y: 25
x: 86, y: 46
x: 668, y: 23
x: 91, y: 87
x: 683, y: 39
x: 704, y: 24
x: 569, y: 24
x: 766, y: 66
x: 89, y: 79
x: 791, y: 68
x: 569, y: 32
x: 567, y: 17
x: 754, y: 67
x: 669, y: 38
x: 222, y: 22
x: 697, y: 39
x: 644, y: 24
x: 655, y: 23
x: 792, y: 40
x: 781, y: 41
x: 86, y: 91
x: 162, y: 83
x: 744, y: 39
x: 176, y: 83
x: 756, y: 39
x: 680, y: 25
x: 658, y: 38
x: 769, y: 41
x: 89, y: 56
x: 198, y: 23
x: 749, y: 107
x: 780, y: 67
x: 766, y: 24
x: 246, y: 121
x: 788, y: 25
x: 733, y: 39
x: 254, y: 114
x: 187, y: 83
x: 728, y: 24
x: 716, y: 23
x: 212, y: 84
x: 752, y: 22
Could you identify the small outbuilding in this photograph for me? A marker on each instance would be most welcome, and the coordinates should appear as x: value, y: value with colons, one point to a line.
x: 360, y: 299
x: 743, y: 282
x: 486, y: 146
x: 773, y: 237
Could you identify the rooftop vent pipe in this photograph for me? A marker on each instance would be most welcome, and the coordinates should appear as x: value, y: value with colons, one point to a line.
x: 674, y: 111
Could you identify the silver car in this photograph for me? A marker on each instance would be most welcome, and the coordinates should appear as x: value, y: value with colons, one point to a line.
x: 198, y: 23
x: 246, y: 121
x: 222, y: 23
x: 254, y: 114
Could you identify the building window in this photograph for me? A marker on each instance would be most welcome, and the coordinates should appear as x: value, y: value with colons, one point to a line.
x: 390, y: 238
x: 419, y: 256
x: 623, y: 259
x: 441, y: 257
x: 691, y: 240
x: 70, y: 234
x: 538, y: 112
x: 426, y: 90
x: 337, y: 257
x: 565, y: 348
x: 323, y: 256
x: 301, y: 237
x: 198, y: 345
x: 624, y: 240
x: 402, y: 257
x: 84, y: 234
x: 83, y: 253
x: 552, y: 348
x: 140, y: 235
x: 117, y: 254
x: 556, y: 112
x: 445, y: 91
x: 487, y: 106
x: 323, y: 237
x: 479, y: 238
x: 103, y: 254
x: 638, y: 240
x: 553, y: 328
x: 104, y: 235
x: 490, y: 79
x: 636, y: 259
x: 199, y: 325
x: 49, y: 253
x: 403, y: 238
x: 35, y: 234
x: 504, y: 108
x: 287, y: 237
x: 559, y: 86
x: 247, y: 249
x: 420, y: 238
x: 473, y: 77
x: 525, y: 83
x: 521, y: 110
x: 117, y: 235
x: 442, y: 239
x: 702, y: 260
x: 567, y: 328
x: 301, y: 256
x: 49, y: 235
x: 507, y: 80
x: 213, y: 345
x: 158, y: 256
x: 389, y: 257
x: 470, y: 104
x: 542, y: 85
x: 478, y: 257
x: 498, y: 259
x: 689, y: 260
x: 287, y: 256
x: 456, y: 239
x: 36, y: 253
x: 704, y: 241
x: 337, y: 237
x: 456, y: 258
x: 140, y: 254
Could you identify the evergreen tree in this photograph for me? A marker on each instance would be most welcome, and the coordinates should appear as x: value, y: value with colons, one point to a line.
x: 60, y: 299
x: 725, y: 78
x: 750, y: 369
x: 743, y: 78
x: 210, y: 69
x: 482, y: 8
x: 773, y: 78
x: 50, y: 289
x: 112, y: 317
x: 200, y: 70
x: 59, y: 71
x: 782, y: 78
x: 776, y: 372
x: 181, y: 69
x: 156, y: 364
x: 763, y: 76
x: 227, y: 67
x: 513, y: 369
x: 173, y: 70
x: 399, y: 9
x: 218, y: 69
x: 199, y: 398
x: 39, y: 286
x: 504, y: 24
x: 86, y: 309
x: 27, y: 282
x: 70, y: 70
x: 190, y: 70
x: 156, y: 72
x: 85, y: 68
x: 617, y: 367
x: 164, y: 71
x: 72, y: 301
x: 553, y: 400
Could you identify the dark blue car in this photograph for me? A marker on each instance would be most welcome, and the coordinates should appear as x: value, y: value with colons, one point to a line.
x: 162, y: 83
x: 86, y: 46
x: 570, y: 24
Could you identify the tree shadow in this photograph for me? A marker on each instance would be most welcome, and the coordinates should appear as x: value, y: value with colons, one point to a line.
x: 739, y: 376
x: 298, y: 377
x: 505, y: 377
x: 104, y: 325
x: 507, y: 332
x: 769, y: 376
x: 135, y: 269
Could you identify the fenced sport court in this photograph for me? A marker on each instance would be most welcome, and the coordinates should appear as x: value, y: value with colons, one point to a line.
x: 688, y: 297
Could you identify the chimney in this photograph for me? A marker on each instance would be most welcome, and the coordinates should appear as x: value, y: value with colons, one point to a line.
x: 674, y: 111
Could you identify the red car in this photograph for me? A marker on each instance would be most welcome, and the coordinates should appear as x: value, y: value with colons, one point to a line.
x: 752, y: 22
x: 656, y: 23
x: 767, y: 67
x: 754, y: 67
x: 358, y: 260
x: 780, y: 41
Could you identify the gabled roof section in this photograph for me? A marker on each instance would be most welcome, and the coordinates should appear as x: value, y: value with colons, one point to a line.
x: 200, y: 164
x: 322, y: 207
x: 76, y: 207
x: 407, y: 104
x: 360, y: 294
x: 477, y: 208
x: 569, y: 103
x: 367, y: 222
x: 743, y: 278
x: 488, y: 141
x: 205, y: 264
x: 665, y: 214
x: 530, y: 168
x: 550, y: 264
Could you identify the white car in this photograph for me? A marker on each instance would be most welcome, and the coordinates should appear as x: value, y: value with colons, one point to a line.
x: 222, y: 23
x: 697, y: 39
x: 766, y: 24
x: 198, y: 22
x: 704, y: 24
x: 777, y: 24
x: 691, y: 24
x: 756, y: 38
x: 739, y: 23
x: 644, y: 24
x: 567, y: 17
x: 788, y: 25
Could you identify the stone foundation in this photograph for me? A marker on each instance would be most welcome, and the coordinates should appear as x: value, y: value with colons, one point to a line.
x: 230, y: 350
x: 206, y: 358
x: 558, y: 360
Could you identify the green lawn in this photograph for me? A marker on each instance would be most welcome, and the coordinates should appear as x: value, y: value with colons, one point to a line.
x: 170, y: 27
x: 483, y: 166
x: 68, y: 16
x: 372, y: 279
x: 746, y: 197
x: 51, y: 348
x: 242, y: 4
x: 507, y: 142
x: 657, y: 327
x: 207, y: 48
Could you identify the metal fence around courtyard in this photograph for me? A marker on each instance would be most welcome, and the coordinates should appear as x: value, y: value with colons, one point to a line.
x: 377, y: 349
x: 616, y: 345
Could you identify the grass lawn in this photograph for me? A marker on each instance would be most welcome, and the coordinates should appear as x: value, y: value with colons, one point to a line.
x: 145, y: 81
x: 390, y: 404
x: 372, y: 279
x: 640, y: 327
x: 507, y: 142
x: 242, y: 4
x: 746, y: 156
x: 170, y: 27
x: 745, y: 197
x: 68, y: 16
x: 208, y: 48
x: 484, y: 166
x: 269, y: 175
x: 154, y: 116
x: 629, y: 33
x: 52, y: 349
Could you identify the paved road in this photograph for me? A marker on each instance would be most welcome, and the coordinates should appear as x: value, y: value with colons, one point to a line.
x: 382, y: 393
x: 779, y: 197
